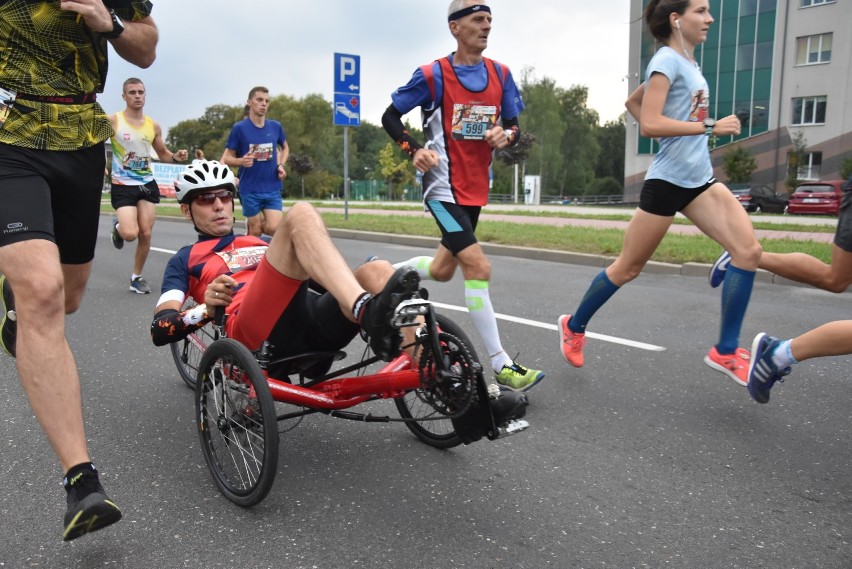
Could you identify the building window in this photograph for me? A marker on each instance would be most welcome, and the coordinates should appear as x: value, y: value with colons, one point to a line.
x: 808, y: 3
x: 809, y: 110
x: 813, y: 49
x: 809, y: 167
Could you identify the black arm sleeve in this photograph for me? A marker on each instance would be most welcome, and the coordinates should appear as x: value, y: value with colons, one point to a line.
x: 392, y: 122
x: 172, y: 326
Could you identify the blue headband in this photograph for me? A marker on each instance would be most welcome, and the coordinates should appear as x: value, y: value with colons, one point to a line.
x: 469, y: 10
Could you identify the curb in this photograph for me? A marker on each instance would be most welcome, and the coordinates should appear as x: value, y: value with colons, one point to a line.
x: 652, y: 267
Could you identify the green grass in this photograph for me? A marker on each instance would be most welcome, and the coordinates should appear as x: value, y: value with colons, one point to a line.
x: 674, y: 248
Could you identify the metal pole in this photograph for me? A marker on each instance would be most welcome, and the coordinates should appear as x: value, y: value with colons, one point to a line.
x: 515, y: 184
x: 346, y: 173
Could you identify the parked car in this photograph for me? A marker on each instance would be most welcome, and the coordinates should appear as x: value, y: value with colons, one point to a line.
x: 760, y: 198
x: 818, y: 198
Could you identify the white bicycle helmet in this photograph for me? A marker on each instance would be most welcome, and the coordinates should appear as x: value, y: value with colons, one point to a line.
x: 203, y: 175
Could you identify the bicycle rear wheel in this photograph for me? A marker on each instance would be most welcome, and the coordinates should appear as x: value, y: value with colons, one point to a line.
x: 438, y: 433
x: 187, y: 353
x: 236, y: 422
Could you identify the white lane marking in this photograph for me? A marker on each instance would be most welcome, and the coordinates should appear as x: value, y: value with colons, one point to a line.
x: 527, y: 322
x: 603, y: 337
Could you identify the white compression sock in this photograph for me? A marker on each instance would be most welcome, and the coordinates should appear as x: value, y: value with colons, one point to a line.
x: 421, y: 264
x: 482, y: 312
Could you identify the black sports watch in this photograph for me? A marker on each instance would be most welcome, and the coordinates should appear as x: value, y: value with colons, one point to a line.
x: 708, y: 126
x: 117, y: 27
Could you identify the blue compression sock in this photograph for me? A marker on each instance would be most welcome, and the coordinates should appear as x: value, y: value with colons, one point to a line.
x: 596, y: 296
x: 736, y: 292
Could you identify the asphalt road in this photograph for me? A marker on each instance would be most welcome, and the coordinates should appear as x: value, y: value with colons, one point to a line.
x: 642, y: 458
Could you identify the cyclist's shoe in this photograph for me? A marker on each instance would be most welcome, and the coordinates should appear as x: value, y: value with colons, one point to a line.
x: 89, y: 508
x: 117, y: 241
x: 376, y: 317
x: 762, y: 371
x: 139, y: 286
x: 506, y: 404
x: 571, y: 343
x: 517, y: 377
x: 733, y: 365
x: 9, y: 318
x: 719, y: 268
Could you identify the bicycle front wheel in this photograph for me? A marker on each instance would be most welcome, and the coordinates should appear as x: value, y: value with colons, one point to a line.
x: 236, y: 422
x: 427, y: 426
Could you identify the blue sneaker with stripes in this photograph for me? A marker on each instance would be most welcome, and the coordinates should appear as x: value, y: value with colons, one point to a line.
x: 762, y: 371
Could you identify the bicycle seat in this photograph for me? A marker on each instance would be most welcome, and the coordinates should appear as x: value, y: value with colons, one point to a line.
x: 311, y: 365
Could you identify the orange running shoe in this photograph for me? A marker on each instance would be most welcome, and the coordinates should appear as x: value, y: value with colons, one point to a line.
x: 570, y: 343
x: 733, y: 365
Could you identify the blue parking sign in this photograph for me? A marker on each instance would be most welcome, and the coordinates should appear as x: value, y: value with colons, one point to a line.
x: 347, y: 89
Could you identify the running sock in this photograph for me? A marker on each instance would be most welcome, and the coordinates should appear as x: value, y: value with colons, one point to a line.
x: 478, y: 303
x: 736, y: 292
x: 783, y: 355
x: 84, y: 473
x: 599, y: 292
x: 421, y: 264
x: 134, y: 276
x: 358, y: 306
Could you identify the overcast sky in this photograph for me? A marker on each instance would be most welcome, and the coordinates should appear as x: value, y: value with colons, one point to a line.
x: 214, y: 51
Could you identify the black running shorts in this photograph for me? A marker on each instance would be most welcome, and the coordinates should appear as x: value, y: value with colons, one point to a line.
x: 122, y: 196
x: 843, y: 235
x: 457, y: 224
x: 53, y: 195
x: 664, y: 198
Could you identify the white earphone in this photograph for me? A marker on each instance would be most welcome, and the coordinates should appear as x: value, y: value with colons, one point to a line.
x: 677, y: 24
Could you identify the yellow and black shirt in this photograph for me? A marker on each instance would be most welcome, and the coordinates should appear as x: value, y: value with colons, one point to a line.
x: 49, y: 52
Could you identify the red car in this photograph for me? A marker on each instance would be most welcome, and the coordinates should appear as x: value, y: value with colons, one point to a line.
x: 817, y: 198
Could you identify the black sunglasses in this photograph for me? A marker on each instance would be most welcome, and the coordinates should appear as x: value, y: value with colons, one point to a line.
x: 208, y: 198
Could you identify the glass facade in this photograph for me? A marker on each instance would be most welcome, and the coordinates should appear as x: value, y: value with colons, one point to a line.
x: 736, y: 60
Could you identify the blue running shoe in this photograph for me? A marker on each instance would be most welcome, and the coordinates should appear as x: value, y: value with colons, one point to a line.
x: 720, y: 267
x: 762, y: 372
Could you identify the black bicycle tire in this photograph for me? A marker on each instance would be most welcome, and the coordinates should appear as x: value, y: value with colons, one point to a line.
x: 426, y: 431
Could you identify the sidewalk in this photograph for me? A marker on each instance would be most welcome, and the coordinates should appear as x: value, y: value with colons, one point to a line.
x: 596, y: 223
x: 687, y: 269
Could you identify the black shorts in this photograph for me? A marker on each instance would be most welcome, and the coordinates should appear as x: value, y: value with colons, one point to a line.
x: 122, y: 196
x: 53, y: 195
x: 457, y: 224
x: 664, y: 198
x: 311, y: 322
x: 843, y: 235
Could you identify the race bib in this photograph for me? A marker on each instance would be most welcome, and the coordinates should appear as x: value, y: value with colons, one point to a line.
x: 7, y: 99
x: 243, y: 258
x: 261, y: 152
x: 135, y: 162
x: 471, y: 121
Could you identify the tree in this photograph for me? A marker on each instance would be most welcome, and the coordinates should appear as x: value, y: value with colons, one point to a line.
x: 578, y: 145
x: 846, y: 168
x: 738, y: 164
x: 543, y: 119
x: 208, y: 132
x: 302, y: 165
x: 610, y: 162
x: 395, y: 168
x: 795, y: 158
